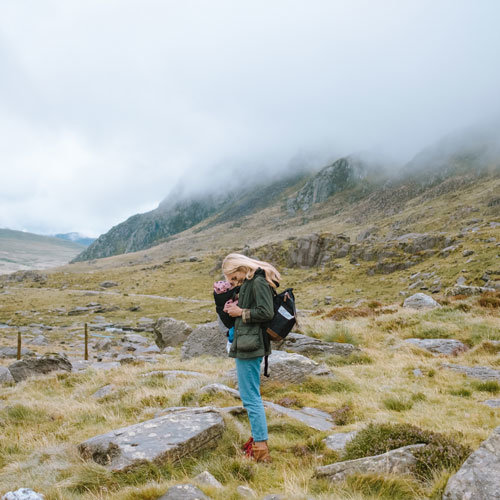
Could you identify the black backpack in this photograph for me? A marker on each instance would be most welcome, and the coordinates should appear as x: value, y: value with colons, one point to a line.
x: 285, y: 318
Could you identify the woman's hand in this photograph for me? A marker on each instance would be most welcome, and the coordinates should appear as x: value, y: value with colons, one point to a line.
x: 233, y: 310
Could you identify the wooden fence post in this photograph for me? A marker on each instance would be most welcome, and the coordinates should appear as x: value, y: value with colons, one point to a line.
x: 86, y: 343
x: 18, y: 345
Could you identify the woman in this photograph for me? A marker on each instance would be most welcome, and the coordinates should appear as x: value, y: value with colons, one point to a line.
x: 254, y: 308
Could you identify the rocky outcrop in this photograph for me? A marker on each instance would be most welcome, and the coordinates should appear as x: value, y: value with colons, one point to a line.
x: 449, y: 347
x: 479, y: 476
x: 420, y: 301
x: 467, y: 290
x: 31, y: 367
x: 205, y: 340
x: 479, y: 372
x: 399, y: 461
x: 338, y: 441
x: 302, y: 344
x: 317, y: 249
x: 166, y: 438
x: 171, y: 332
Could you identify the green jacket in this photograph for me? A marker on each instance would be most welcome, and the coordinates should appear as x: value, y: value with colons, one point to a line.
x: 256, y: 300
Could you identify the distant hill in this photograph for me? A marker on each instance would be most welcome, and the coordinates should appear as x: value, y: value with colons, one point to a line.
x: 76, y: 238
x: 23, y: 251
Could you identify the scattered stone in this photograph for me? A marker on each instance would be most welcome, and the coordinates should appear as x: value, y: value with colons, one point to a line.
x: 135, y: 338
x: 492, y: 403
x: 337, y: 442
x: 104, y: 391
x: 303, y: 344
x: 11, y: 352
x: 479, y: 476
x: 479, y: 372
x: 108, y: 284
x: 166, y: 438
x: 328, y: 300
x: 29, y: 367
x: 125, y: 359
x: 417, y: 284
x: 418, y: 372
x: 34, y: 276
x: 39, y: 340
x: 245, y: 492
x: 151, y: 349
x: 461, y: 280
x: 80, y: 310
x: 446, y: 251
x: 420, y: 301
x: 399, y: 461
x: 467, y: 253
x: 448, y: 347
x: 206, y: 478
x: 5, y: 375
x: 205, y: 340
x: 184, y: 492
x: 170, y: 332
x: 103, y: 345
x: 23, y: 494
x: 467, y: 290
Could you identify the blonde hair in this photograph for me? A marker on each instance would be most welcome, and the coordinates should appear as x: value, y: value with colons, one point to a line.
x: 238, y: 262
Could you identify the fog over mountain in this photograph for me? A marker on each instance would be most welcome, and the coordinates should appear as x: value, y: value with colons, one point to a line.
x: 108, y: 108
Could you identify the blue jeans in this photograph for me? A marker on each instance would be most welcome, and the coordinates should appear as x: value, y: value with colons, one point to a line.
x: 248, y: 371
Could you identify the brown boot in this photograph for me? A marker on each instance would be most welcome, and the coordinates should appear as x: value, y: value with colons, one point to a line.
x: 261, y: 452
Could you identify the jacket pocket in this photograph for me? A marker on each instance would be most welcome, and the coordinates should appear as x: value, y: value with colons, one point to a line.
x: 248, y: 339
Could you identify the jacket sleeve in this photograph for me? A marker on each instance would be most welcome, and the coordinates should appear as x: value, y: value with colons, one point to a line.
x: 263, y: 310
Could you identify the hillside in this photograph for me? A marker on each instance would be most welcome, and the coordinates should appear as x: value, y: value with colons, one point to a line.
x: 23, y: 251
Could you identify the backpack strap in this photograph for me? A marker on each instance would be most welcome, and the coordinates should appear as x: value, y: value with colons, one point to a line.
x: 266, y: 366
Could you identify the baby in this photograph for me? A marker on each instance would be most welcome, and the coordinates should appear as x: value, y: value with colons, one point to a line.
x: 224, y: 295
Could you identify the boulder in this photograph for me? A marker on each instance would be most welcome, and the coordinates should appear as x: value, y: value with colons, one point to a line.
x: 40, y: 340
x: 448, y: 347
x: 479, y: 372
x: 5, y: 375
x: 166, y: 438
x: 29, y: 367
x: 108, y: 284
x: 479, y: 476
x: 338, y: 441
x: 293, y: 368
x: 11, y: 352
x: 104, y: 391
x: 103, y: 345
x: 205, y: 339
x: 245, y: 492
x: 420, y: 301
x: 170, y: 332
x: 399, y: 461
x: 184, y: 492
x: 302, y: 344
x: 23, y: 494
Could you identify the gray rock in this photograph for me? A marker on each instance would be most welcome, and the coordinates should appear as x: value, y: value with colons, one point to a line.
x: 274, y: 496
x: 338, y: 441
x: 150, y: 349
x: 184, y: 492
x: 104, y: 391
x: 11, y: 352
x: 292, y: 367
x: 449, y: 347
x: 312, y: 417
x: 467, y: 290
x: 417, y: 284
x: 417, y: 372
x: 5, y: 375
x: 135, y: 338
x: 302, y: 344
x: 205, y: 340
x: 479, y: 476
x: 461, y: 280
x: 108, y: 284
x: 125, y: 359
x: 420, y: 301
x: 170, y: 332
x: 103, y: 345
x: 245, y: 492
x: 492, y: 403
x: 166, y: 438
x: 328, y: 300
x: 23, y: 494
x: 40, y: 340
x: 29, y: 367
x: 479, y: 372
x: 468, y: 253
x: 206, y: 478
x: 399, y: 461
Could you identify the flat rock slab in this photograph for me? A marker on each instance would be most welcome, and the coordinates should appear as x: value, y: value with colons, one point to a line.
x: 338, y: 441
x: 399, y: 461
x: 29, y: 367
x: 166, y: 438
x: 23, y: 494
x: 479, y: 372
x: 448, y: 347
x: 303, y: 344
x: 312, y: 417
x: 492, y: 403
x: 479, y: 476
x: 184, y: 492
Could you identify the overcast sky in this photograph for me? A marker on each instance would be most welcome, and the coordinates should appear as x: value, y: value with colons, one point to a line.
x: 106, y: 104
